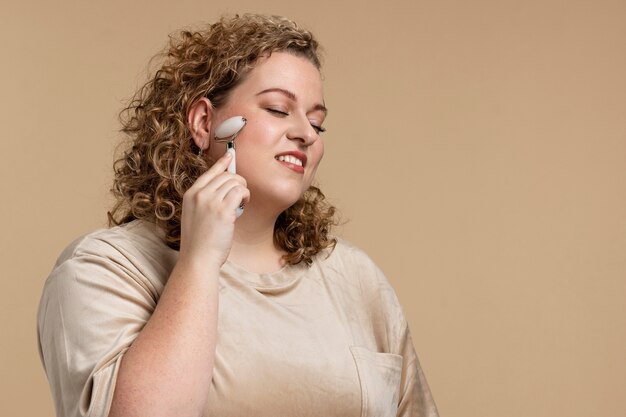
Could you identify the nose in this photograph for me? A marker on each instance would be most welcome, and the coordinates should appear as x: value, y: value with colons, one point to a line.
x: 302, y: 131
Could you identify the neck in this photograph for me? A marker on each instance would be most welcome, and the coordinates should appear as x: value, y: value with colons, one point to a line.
x: 253, y: 242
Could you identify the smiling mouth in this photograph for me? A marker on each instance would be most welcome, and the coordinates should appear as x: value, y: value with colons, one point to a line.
x: 290, y: 159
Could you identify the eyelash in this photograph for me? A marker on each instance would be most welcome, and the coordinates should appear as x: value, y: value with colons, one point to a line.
x: 280, y: 112
x: 318, y: 129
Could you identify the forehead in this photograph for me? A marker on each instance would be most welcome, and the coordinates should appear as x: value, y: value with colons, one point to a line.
x: 286, y: 71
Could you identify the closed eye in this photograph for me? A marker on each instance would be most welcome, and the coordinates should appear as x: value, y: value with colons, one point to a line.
x: 277, y: 112
x: 282, y: 113
x: 318, y: 129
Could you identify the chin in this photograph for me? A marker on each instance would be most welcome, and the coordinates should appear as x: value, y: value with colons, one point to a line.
x: 280, y: 198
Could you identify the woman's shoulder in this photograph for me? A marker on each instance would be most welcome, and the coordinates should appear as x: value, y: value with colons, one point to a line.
x: 135, y: 249
x: 129, y: 239
x: 350, y: 255
x: 352, y: 265
x: 352, y: 270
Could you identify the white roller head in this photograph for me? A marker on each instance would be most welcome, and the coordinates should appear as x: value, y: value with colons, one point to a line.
x: 229, y: 128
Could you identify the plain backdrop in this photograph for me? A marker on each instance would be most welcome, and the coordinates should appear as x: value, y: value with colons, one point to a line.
x: 476, y: 150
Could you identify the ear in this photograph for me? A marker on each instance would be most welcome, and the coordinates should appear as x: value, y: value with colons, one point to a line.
x: 199, y: 121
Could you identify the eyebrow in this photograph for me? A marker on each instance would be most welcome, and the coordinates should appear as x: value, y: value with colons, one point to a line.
x: 292, y: 97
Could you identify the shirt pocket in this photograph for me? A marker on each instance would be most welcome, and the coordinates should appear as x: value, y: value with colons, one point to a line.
x: 379, y: 375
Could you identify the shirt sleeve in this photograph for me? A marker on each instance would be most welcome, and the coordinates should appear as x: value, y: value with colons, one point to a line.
x: 415, y: 396
x: 92, y: 308
x: 415, y: 399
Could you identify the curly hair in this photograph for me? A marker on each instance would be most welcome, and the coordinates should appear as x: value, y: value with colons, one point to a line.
x: 161, y: 160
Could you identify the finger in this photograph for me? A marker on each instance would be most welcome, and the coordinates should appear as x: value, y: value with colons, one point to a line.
x: 237, y: 197
x: 218, y: 167
x: 246, y: 198
x: 221, y: 192
x: 216, y: 183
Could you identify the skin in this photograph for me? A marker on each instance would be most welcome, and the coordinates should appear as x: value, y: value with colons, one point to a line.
x: 168, y: 369
x: 276, y: 123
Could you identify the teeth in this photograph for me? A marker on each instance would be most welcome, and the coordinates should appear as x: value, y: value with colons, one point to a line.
x: 289, y: 158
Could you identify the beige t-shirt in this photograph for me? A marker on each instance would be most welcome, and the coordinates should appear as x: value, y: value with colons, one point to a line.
x: 326, y: 340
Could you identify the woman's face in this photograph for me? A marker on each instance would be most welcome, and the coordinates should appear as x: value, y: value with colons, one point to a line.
x: 279, y: 149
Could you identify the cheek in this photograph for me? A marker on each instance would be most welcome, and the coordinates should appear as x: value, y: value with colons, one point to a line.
x: 255, y: 137
x: 254, y: 150
x: 318, y: 152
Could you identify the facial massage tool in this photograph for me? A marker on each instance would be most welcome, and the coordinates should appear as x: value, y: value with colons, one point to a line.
x: 227, y: 132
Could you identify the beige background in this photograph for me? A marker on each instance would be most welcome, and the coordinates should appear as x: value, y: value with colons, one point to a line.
x: 477, y: 149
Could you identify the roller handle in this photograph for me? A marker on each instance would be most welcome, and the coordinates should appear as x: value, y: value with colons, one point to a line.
x: 232, y: 167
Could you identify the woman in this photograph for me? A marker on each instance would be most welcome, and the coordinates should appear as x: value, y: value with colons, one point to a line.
x: 185, y: 309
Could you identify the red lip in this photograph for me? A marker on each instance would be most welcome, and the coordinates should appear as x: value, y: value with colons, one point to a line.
x: 301, y: 156
x: 297, y: 168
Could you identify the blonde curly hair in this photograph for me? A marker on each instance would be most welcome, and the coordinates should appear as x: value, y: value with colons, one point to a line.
x: 161, y: 160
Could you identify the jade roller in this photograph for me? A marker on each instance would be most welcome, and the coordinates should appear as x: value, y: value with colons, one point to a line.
x: 227, y: 132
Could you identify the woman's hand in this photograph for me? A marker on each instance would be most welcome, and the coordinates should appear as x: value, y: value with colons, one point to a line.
x: 208, y: 218
x: 167, y: 371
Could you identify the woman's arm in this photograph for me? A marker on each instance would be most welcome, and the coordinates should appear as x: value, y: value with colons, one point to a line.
x: 167, y: 370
